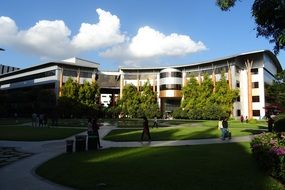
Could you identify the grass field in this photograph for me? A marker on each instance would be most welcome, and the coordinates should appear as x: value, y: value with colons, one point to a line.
x: 200, y: 167
x: 182, y: 130
x: 27, y: 133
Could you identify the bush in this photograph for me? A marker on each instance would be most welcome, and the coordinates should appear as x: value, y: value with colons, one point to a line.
x: 252, y: 121
x: 279, y: 124
x: 269, y: 151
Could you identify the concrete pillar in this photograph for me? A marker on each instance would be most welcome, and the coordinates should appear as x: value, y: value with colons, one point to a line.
x: 248, y: 65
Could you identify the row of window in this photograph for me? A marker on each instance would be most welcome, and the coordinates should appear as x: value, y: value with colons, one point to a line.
x: 254, y: 84
x: 30, y: 77
x: 172, y: 74
x: 170, y: 87
x: 255, y: 113
x: 73, y: 73
x: 254, y: 99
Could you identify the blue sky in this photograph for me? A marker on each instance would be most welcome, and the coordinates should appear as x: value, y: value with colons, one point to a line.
x: 126, y: 32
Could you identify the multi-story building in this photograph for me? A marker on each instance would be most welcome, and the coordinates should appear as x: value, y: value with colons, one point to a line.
x: 251, y: 72
x: 51, y: 75
x: 6, y: 69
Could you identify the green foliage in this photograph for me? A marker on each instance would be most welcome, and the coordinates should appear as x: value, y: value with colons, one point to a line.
x: 201, y: 102
x: 279, y: 124
x: 136, y: 103
x: 269, y: 17
x: 78, y: 100
x: 70, y: 88
x: 225, y: 5
x: 276, y: 92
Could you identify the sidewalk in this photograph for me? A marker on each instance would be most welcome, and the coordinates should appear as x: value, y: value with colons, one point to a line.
x: 20, y: 175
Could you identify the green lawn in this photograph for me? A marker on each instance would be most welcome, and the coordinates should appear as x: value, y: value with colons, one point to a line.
x: 138, y: 123
x: 215, y: 167
x: 27, y: 133
x: 184, y: 130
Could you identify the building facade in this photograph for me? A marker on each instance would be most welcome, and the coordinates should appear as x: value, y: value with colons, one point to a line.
x: 250, y: 72
x: 51, y: 75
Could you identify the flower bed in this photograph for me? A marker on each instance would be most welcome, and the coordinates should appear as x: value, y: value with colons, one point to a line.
x: 269, y: 151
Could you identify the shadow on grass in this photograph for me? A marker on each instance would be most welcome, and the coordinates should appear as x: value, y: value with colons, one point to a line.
x: 215, y: 167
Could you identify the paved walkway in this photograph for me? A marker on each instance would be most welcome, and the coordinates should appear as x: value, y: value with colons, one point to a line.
x: 20, y: 175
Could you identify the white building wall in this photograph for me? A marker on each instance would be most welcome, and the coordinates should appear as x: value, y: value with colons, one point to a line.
x: 243, y: 93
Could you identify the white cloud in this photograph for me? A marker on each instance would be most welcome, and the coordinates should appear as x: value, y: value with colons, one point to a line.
x: 150, y: 43
x: 8, y: 30
x: 52, y: 38
x: 47, y: 38
x: 105, y: 33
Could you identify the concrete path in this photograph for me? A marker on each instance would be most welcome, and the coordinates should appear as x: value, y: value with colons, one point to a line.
x: 20, y: 175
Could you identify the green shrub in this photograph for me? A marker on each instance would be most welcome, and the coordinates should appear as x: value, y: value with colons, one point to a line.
x: 279, y: 124
x: 252, y: 121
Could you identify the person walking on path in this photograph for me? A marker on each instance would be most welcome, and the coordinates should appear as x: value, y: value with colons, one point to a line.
x: 241, y: 118
x: 155, y: 123
x: 95, y: 129
x: 145, y: 129
x: 225, y: 130
x: 34, y: 120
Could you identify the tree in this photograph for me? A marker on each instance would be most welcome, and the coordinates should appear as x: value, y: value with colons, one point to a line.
x: 130, y: 101
x: 201, y: 102
x: 224, y: 96
x: 276, y: 92
x: 269, y: 17
x: 190, y: 94
x: 70, y: 88
x: 88, y: 93
x: 148, y: 101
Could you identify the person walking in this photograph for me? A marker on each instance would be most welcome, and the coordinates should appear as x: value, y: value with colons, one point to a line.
x: 89, y: 127
x: 155, y: 123
x: 225, y: 130
x: 145, y: 129
x: 34, y: 120
x: 95, y: 129
x: 241, y: 118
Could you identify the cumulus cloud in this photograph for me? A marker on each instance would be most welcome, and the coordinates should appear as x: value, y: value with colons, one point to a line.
x: 52, y: 38
x: 105, y: 33
x: 149, y: 43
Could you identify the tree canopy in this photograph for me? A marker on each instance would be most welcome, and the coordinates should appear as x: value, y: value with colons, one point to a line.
x: 203, y: 102
x: 141, y: 103
x: 269, y: 17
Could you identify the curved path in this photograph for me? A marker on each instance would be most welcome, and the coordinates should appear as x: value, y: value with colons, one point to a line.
x: 20, y: 175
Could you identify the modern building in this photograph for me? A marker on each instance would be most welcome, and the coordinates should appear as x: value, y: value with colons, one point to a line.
x: 6, y: 69
x: 51, y: 75
x: 250, y: 72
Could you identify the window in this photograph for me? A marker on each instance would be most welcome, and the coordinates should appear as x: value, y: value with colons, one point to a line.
x: 237, y: 84
x: 238, y: 99
x: 254, y: 71
x: 170, y: 87
x: 255, y: 85
x: 255, y: 98
x: 256, y: 112
x: 238, y: 112
x: 172, y: 74
x: 70, y: 73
